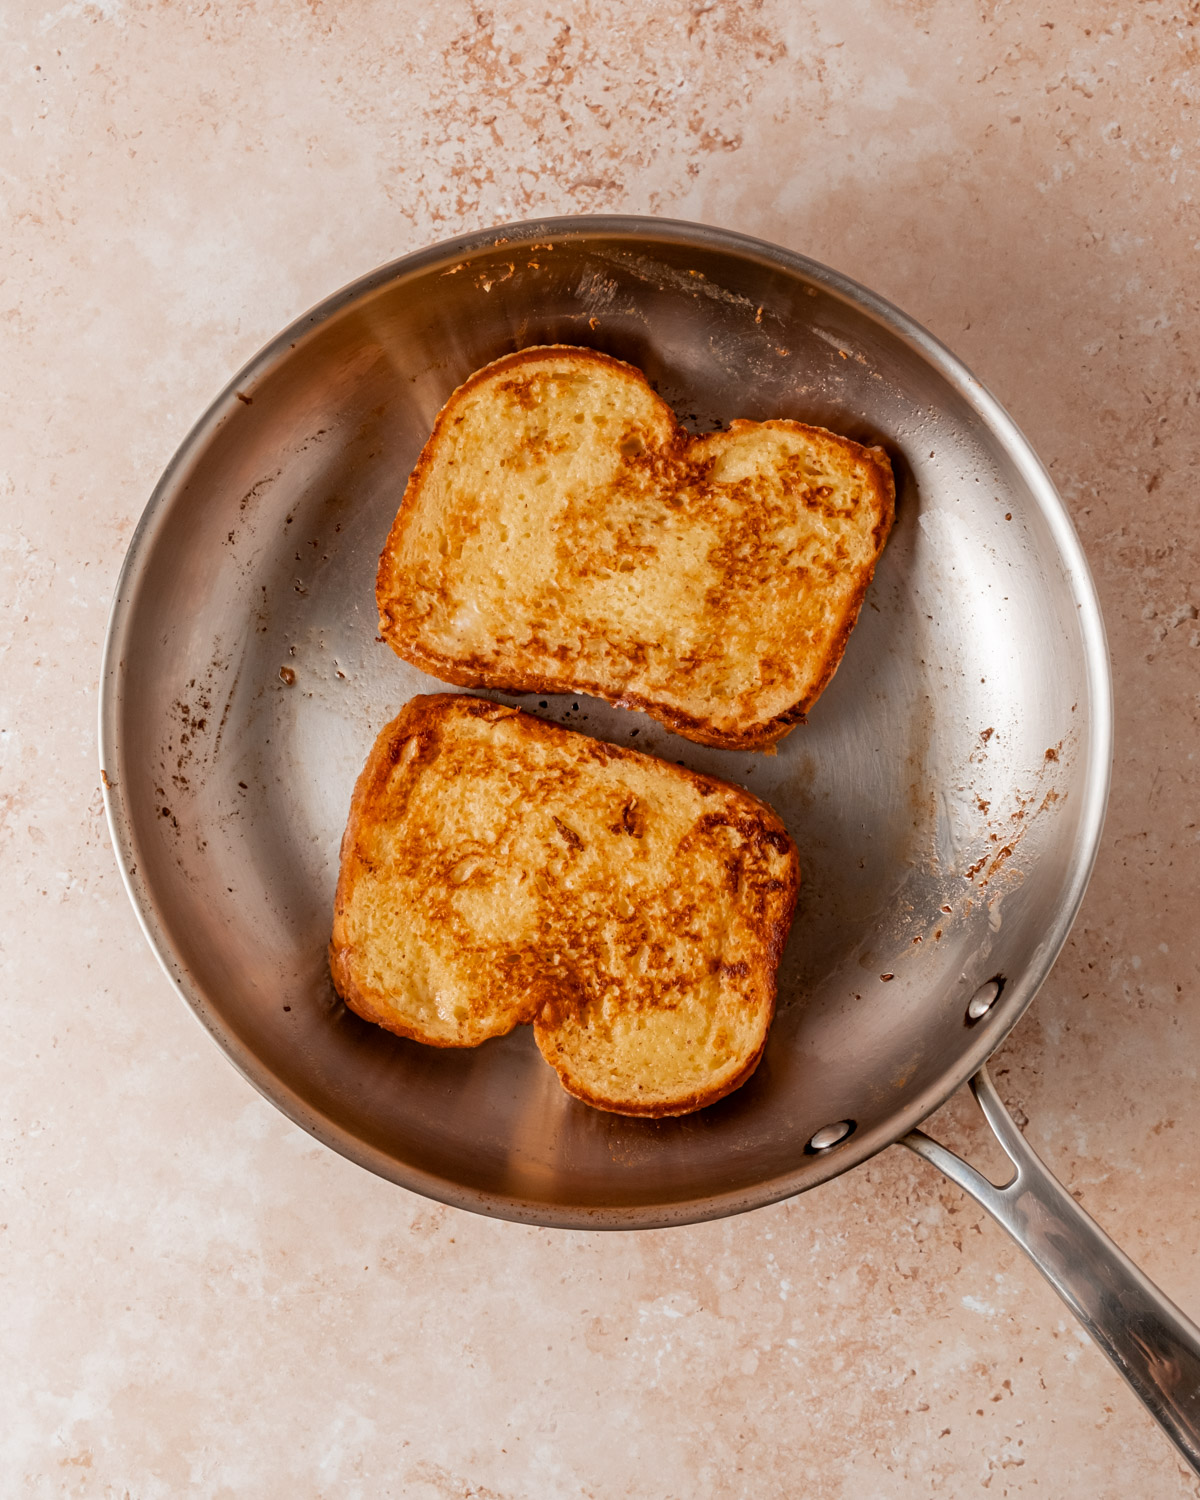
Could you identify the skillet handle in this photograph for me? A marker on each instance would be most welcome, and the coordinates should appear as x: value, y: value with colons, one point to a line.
x: 1154, y: 1345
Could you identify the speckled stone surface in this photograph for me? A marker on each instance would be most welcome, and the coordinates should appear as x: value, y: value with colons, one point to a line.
x: 197, y: 1298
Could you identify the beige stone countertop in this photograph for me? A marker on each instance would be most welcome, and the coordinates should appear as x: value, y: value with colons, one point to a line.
x: 198, y: 1299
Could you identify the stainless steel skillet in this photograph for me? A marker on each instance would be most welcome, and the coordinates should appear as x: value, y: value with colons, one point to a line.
x: 946, y: 798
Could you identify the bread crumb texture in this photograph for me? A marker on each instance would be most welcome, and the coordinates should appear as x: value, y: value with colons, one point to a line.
x: 498, y: 870
x: 561, y: 532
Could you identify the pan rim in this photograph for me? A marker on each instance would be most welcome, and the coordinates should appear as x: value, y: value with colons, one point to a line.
x: 1020, y: 990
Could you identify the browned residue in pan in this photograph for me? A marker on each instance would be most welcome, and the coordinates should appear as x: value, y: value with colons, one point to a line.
x: 1007, y: 833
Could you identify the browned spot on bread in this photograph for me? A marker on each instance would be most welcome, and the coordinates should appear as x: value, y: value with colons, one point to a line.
x: 572, y: 838
x: 632, y: 820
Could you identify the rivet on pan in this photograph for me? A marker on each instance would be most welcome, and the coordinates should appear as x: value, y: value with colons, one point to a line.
x: 983, y: 999
x: 830, y: 1135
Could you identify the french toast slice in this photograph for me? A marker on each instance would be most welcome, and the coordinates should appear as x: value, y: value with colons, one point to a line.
x: 562, y: 533
x: 497, y: 870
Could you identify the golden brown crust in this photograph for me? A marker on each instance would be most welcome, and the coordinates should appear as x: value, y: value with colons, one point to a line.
x: 697, y: 943
x: 687, y: 1104
x: 689, y: 462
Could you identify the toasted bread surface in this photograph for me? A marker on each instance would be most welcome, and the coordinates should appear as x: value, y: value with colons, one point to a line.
x: 497, y: 869
x: 561, y: 532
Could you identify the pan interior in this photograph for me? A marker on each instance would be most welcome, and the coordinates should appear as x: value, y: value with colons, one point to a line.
x: 942, y: 796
